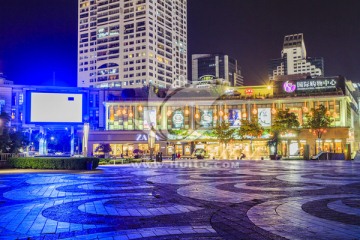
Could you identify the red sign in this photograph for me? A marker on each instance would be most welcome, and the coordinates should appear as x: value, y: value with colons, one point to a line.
x: 249, y: 91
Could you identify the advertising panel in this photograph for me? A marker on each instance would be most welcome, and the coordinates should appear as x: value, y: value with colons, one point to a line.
x: 149, y: 119
x: 206, y: 118
x: 178, y: 119
x: 264, y: 117
x: 52, y: 107
x: 329, y: 84
x: 234, y: 117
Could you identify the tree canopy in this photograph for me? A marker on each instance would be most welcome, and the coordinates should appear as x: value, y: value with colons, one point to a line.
x: 284, y: 120
x: 103, y: 147
x: 223, y: 132
x: 318, y: 120
x: 10, y: 141
x: 250, y: 129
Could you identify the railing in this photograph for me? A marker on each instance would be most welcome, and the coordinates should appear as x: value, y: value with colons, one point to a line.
x: 4, y: 157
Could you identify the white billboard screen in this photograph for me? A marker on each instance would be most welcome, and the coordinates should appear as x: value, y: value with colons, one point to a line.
x: 56, y: 107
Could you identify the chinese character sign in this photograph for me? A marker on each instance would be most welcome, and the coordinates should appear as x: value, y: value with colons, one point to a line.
x: 318, y: 84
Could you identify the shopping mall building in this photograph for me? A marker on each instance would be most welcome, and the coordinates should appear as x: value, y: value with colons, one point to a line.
x: 183, y: 118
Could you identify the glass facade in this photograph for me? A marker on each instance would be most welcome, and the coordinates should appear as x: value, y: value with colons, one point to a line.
x: 186, y: 120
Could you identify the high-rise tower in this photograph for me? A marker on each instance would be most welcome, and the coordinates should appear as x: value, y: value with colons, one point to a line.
x: 294, y: 60
x: 131, y: 43
x: 218, y: 66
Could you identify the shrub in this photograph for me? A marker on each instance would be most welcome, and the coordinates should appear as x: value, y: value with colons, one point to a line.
x: 53, y: 163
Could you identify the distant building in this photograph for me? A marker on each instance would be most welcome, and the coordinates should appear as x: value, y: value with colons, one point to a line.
x: 294, y: 61
x: 218, y: 66
x: 131, y: 43
x: 4, y: 81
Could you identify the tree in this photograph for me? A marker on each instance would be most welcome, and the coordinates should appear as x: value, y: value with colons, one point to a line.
x: 10, y: 141
x: 250, y: 129
x: 59, y: 141
x: 17, y: 141
x: 317, y: 121
x: 105, y: 148
x: 284, y: 121
x: 224, y: 133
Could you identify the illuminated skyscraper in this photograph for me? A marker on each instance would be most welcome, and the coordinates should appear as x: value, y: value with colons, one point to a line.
x: 131, y: 43
x: 294, y: 60
x: 217, y: 66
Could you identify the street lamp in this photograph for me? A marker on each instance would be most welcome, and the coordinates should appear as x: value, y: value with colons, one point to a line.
x: 151, y: 141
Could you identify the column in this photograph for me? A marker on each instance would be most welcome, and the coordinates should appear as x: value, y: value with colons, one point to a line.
x: 192, y: 117
x: 106, y: 117
x: 72, y: 141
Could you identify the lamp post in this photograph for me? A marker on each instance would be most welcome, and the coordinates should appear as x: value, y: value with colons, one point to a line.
x: 151, y: 141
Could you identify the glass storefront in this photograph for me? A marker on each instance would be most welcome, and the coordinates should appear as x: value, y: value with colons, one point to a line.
x: 127, y: 150
x: 329, y: 146
x: 292, y: 148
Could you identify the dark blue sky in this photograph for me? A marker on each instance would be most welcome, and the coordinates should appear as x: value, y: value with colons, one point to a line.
x: 39, y: 37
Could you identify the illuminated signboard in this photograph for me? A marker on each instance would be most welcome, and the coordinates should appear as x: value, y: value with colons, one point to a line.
x: 234, y: 117
x: 321, y: 84
x: 264, y: 117
x: 145, y: 137
x: 207, y: 77
x: 310, y: 85
x: 249, y: 91
x: 178, y: 119
x: 206, y: 119
x: 55, y: 108
x: 289, y: 87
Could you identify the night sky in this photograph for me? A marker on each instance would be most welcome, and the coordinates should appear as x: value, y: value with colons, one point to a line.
x: 39, y: 37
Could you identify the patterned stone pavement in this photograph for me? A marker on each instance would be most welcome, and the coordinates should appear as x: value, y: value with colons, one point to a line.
x: 185, y: 200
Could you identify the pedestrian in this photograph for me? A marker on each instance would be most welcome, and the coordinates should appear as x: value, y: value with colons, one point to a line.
x: 161, y: 157
x: 157, y: 157
x: 178, y: 155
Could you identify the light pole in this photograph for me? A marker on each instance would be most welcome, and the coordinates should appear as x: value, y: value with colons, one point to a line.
x: 151, y: 141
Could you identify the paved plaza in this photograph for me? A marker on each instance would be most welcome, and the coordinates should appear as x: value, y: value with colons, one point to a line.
x: 185, y: 200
